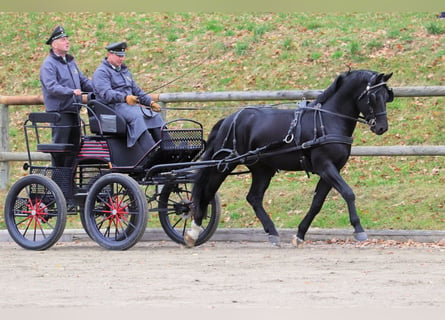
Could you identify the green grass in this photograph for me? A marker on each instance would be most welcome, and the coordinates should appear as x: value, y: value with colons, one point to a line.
x: 267, y: 51
x: 435, y: 28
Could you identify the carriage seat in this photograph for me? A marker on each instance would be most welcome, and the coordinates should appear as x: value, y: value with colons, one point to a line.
x: 37, y: 118
x: 104, y: 120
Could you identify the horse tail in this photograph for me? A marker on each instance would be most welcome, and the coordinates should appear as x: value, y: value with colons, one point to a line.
x: 202, y: 176
x: 210, y: 145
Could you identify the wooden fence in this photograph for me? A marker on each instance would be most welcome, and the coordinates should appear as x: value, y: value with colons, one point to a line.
x: 165, y: 98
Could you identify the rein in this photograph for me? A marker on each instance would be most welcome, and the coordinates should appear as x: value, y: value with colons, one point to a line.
x: 317, y: 108
x: 254, y: 155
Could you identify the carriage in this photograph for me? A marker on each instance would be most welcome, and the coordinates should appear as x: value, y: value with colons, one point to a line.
x: 105, y: 183
x: 113, y: 188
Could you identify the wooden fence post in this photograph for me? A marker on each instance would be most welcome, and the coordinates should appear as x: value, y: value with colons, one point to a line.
x: 163, y: 106
x: 4, y: 146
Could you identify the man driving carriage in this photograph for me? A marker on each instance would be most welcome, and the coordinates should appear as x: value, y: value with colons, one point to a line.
x: 114, y: 85
x: 62, y: 85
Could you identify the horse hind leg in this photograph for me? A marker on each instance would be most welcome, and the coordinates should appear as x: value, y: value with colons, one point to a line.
x: 261, y: 177
x: 205, y: 187
x: 192, y: 235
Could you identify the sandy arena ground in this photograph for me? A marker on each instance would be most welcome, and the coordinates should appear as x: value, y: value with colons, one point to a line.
x: 225, y: 275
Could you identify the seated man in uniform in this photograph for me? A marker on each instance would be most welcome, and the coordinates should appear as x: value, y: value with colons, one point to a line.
x: 114, y: 86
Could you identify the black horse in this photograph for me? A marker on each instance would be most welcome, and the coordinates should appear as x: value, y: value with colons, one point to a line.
x: 316, y: 137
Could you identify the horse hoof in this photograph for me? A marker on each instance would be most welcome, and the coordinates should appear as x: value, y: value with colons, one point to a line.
x: 189, y: 241
x: 360, y: 236
x: 274, y: 241
x: 297, y: 242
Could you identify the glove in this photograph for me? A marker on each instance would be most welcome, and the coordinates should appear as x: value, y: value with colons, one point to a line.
x: 154, y: 97
x: 131, y: 100
x: 155, y: 107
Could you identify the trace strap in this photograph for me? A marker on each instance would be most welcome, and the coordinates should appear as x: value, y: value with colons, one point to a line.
x: 233, y: 157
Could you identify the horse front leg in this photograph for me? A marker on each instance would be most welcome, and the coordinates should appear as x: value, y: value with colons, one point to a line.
x: 261, y: 177
x: 321, y: 191
x: 333, y: 177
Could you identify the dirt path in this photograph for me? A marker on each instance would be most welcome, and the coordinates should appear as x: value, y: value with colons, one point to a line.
x: 222, y: 274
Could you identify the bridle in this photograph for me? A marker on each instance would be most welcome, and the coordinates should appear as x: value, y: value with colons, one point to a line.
x: 369, y: 92
x: 370, y: 119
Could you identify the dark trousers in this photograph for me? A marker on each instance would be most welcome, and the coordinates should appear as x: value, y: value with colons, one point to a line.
x: 67, y: 130
x: 149, y: 138
x: 156, y: 133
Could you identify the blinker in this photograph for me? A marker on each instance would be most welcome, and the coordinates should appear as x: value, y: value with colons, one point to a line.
x: 390, y: 95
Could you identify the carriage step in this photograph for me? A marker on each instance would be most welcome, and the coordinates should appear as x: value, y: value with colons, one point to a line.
x: 81, y: 194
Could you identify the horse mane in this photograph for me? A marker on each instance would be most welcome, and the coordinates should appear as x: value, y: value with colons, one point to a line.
x: 332, y: 89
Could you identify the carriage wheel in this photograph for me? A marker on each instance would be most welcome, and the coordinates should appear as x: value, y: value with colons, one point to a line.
x: 175, y: 213
x: 35, y: 212
x: 115, y: 212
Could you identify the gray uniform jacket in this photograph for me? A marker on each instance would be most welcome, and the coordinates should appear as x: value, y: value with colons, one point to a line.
x: 111, y: 86
x: 59, y: 78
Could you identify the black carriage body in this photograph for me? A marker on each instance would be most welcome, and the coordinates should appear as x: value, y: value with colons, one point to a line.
x: 177, y: 144
x: 105, y: 149
x: 103, y: 183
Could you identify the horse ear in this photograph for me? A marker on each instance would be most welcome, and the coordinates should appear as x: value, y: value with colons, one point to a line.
x: 330, y: 90
x: 377, y: 78
x: 386, y: 77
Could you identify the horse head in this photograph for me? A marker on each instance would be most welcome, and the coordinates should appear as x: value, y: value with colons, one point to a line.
x: 372, y: 102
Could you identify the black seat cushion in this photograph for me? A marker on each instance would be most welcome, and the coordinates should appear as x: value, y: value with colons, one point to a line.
x: 104, y: 120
